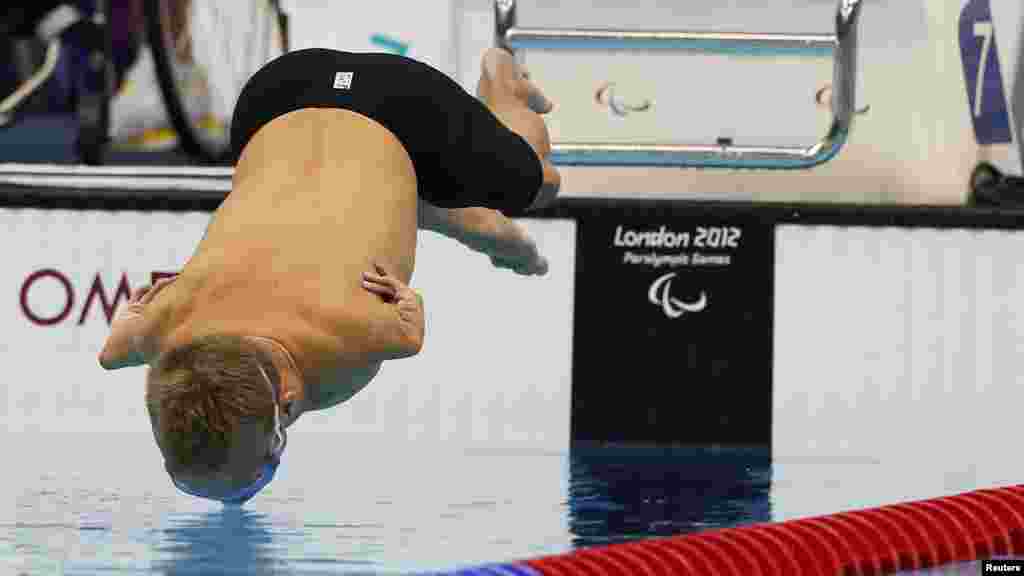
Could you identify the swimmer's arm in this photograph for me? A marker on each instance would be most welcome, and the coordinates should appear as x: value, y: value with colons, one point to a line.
x: 126, y: 346
x: 122, y: 348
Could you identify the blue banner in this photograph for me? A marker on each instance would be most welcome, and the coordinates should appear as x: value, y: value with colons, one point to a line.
x: 982, y: 74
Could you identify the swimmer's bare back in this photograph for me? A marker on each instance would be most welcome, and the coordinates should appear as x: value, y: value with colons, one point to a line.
x: 320, y: 196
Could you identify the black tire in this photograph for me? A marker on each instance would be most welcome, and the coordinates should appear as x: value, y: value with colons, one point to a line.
x: 191, y: 138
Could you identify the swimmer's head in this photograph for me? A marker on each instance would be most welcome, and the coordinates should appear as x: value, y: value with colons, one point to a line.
x: 213, y: 404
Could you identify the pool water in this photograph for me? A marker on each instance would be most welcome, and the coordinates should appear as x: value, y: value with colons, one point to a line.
x: 100, y: 503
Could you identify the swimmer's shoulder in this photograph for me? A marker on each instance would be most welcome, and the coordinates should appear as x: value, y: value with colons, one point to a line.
x: 336, y: 330
x: 340, y: 385
x: 338, y: 355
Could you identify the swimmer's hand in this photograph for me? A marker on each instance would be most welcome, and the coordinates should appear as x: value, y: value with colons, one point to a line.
x: 506, y: 89
x: 123, y: 346
x: 402, y: 336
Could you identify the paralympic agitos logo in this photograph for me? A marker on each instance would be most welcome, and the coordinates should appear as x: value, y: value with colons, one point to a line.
x: 660, y: 294
x: 49, y: 297
x: 607, y: 96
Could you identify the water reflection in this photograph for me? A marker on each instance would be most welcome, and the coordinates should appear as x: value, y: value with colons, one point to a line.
x: 231, y: 540
x: 619, y: 494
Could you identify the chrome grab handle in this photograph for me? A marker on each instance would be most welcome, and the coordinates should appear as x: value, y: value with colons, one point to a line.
x: 723, y: 154
x: 29, y: 86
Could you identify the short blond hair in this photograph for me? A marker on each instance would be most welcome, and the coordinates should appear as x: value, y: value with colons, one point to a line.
x: 199, y: 393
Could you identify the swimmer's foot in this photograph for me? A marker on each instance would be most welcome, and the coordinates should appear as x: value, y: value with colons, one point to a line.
x: 538, y: 267
x: 525, y: 260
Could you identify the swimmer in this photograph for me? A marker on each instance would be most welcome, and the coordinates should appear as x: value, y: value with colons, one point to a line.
x: 299, y: 289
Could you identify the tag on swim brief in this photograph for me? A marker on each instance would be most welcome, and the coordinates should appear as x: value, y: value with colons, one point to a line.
x: 343, y: 80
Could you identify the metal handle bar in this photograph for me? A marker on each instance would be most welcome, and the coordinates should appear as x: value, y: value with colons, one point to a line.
x: 724, y: 154
x: 29, y: 86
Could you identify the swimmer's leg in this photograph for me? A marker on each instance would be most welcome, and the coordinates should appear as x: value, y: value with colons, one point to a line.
x: 489, y: 152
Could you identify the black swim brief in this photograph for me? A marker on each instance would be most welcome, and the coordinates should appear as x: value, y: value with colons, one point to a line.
x: 462, y: 154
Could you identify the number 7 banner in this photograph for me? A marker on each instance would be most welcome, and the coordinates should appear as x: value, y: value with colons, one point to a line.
x: 983, y: 75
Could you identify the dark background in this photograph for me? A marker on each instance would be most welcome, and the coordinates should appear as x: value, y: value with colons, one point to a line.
x: 703, y: 378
